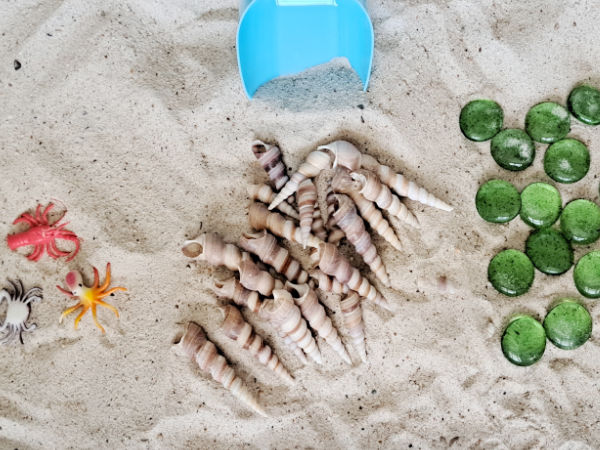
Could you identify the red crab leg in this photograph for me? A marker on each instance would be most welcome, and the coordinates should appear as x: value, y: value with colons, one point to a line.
x: 50, y: 251
x: 37, y: 253
x: 78, y: 318
x: 25, y: 217
x: 110, y: 291
x: 56, y: 250
x: 106, y: 305
x: 96, y: 319
x: 38, y: 210
x: 44, y: 219
x: 64, y: 291
x: 69, y: 236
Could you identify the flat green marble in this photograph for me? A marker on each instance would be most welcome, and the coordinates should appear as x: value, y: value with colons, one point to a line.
x: 481, y: 120
x: 549, y: 251
x: 567, y: 161
x: 580, y: 221
x: 587, y: 275
x: 584, y: 103
x: 498, y: 201
x: 568, y: 325
x: 511, y: 272
x: 540, y: 205
x: 547, y: 122
x: 524, y: 341
x: 513, y: 149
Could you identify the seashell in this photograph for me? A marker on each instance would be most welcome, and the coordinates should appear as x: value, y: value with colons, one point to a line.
x: 261, y: 218
x: 289, y: 342
x: 318, y: 226
x: 270, y: 158
x: 265, y: 194
x: 211, y: 248
x: 326, y: 283
x: 342, y: 182
x: 346, y: 217
x: 403, y: 186
x: 236, y: 328
x: 333, y: 263
x: 285, y: 315
x: 307, y: 197
x: 264, y: 245
x: 255, y: 279
x: 315, y: 162
x: 197, y: 347
x: 344, y: 154
x: 335, y: 234
x: 374, y: 190
x: 352, y: 314
x: 233, y: 290
x: 314, y: 312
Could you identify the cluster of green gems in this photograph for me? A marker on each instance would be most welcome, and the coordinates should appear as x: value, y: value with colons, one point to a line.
x: 548, y: 249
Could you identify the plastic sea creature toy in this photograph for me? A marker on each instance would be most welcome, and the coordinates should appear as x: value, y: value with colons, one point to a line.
x: 17, y: 313
x: 42, y: 235
x: 89, y: 297
x: 284, y: 37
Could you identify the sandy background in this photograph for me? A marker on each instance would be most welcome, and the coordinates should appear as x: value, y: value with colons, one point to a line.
x: 132, y: 114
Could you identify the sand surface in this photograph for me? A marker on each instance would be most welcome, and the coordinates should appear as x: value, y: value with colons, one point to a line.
x: 131, y: 115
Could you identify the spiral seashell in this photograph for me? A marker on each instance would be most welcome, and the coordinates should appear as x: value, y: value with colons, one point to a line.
x: 403, y: 186
x: 255, y: 279
x: 343, y: 183
x: 236, y: 328
x: 374, y: 190
x: 233, y: 290
x: 261, y: 218
x: 335, y: 234
x: 326, y: 283
x: 352, y: 315
x: 285, y: 315
x: 265, y: 194
x: 270, y: 158
x: 290, y: 344
x: 211, y: 248
x: 264, y: 245
x: 197, y: 347
x: 333, y: 263
x: 344, y: 154
x: 314, y: 312
x: 315, y: 162
x: 318, y: 226
x: 346, y: 217
x: 307, y: 197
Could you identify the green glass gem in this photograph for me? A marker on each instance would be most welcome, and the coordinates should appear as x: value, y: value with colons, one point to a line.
x: 567, y: 161
x: 498, y: 201
x: 540, y: 205
x: 547, y: 122
x: 511, y: 272
x: 524, y: 341
x: 587, y: 275
x: 549, y: 251
x: 481, y: 120
x: 568, y: 325
x: 513, y: 149
x: 584, y: 103
x: 580, y: 221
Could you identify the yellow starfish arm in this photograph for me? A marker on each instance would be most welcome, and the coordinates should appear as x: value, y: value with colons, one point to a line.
x: 110, y: 291
x: 96, y: 319
x: 111, y: 307
x: 96, y: 278
x: 107, y: 279
x: 68, y: 311
x: 85, y: 309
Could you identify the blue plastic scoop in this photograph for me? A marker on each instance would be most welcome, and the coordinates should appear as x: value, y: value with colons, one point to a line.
x: 285, y: 37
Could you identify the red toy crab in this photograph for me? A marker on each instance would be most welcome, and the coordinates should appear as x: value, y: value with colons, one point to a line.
x: 42, y: 235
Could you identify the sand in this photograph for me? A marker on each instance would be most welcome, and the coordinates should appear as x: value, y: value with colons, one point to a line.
x: 132, y: 116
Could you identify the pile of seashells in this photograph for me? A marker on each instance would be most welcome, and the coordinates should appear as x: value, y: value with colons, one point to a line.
x: 275, y: 286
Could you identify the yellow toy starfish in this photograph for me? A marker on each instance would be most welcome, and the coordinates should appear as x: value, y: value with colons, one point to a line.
x: 88, y: 297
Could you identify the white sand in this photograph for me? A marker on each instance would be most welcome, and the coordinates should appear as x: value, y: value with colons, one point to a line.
x: 133, y: 115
